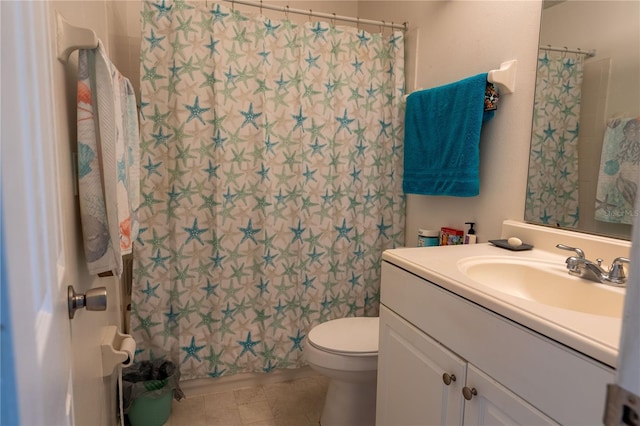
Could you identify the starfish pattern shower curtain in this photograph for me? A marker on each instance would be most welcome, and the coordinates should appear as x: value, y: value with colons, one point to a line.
x: 552, y: 188
x: 271, y: 178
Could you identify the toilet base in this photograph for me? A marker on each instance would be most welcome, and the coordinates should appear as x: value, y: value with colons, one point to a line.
x: 350, y: 403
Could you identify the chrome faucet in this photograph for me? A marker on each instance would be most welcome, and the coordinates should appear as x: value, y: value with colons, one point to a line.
x: 580, y: 266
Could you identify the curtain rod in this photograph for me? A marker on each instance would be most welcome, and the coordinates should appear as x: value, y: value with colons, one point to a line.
x: 287, y: 9
x: 588, y: 53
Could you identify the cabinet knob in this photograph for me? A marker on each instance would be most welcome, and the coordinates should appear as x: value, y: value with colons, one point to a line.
x: 469, y: 393
x: 448, y: 378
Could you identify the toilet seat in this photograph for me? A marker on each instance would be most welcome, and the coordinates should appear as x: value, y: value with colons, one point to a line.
x: 353, y: 336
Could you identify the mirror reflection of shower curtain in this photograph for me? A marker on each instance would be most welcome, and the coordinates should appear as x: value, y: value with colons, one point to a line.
x: 552, y: 188
x: 271, y: 183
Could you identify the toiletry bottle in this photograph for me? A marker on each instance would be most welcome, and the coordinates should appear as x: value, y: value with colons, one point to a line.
x: 470, y: 238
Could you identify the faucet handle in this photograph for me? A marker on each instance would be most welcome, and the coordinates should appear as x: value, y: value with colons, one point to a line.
x: 578, y: 251
x: 616, y: 273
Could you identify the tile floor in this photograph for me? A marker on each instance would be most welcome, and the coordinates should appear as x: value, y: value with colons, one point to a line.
x: 293, y: 403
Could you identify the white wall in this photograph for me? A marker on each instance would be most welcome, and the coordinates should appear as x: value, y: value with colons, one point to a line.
x: 123, y: 20
x: 457, y: 39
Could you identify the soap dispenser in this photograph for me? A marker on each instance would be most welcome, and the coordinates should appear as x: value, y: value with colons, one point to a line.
x: 470, y: 238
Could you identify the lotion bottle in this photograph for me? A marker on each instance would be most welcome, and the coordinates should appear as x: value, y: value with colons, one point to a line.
x: 470, y: 238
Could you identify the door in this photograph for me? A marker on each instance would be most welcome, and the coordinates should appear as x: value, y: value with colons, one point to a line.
x: 411, y: 387
x: 493, y: 404
x: 57, y: 362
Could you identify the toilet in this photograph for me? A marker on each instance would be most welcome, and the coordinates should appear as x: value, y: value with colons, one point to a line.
x: 346, y: 351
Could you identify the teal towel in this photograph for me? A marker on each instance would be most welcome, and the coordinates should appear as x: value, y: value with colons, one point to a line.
x: 441, y: 139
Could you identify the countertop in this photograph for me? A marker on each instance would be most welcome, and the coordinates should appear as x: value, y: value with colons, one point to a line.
x: 593, y: 335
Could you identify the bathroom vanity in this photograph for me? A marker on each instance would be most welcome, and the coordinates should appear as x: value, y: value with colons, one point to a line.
x: 457, y: 349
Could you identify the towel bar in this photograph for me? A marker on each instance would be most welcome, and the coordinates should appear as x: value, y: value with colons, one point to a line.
x: 71, y: 38
x: 505, y: 77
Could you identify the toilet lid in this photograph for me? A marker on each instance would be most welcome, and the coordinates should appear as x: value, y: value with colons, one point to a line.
x: 347, y: 335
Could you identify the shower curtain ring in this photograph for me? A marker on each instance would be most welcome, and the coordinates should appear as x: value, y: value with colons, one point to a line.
x: 333, y: 20
x: 310, y: 13
x: 233, y: 5
x: 260, y: 7
x: 358, y: 22
x: 286, y: 12
x: 382, y: 27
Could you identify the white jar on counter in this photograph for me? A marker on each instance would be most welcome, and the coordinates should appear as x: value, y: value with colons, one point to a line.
x: 428, y: 237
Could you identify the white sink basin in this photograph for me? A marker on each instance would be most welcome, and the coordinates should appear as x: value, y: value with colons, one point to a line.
x: 543, y: 282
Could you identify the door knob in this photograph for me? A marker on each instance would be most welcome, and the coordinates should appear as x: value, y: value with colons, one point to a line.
x: 94, y: 300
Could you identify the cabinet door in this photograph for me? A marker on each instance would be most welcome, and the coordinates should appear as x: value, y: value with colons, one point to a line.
x: 411, y: 390
x: 496, y: 405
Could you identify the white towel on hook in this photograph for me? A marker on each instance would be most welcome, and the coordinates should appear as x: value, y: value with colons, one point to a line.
x: 108, y: 160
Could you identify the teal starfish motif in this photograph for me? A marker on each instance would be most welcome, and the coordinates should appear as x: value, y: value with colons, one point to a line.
x: 247, y: 345
x: 217, y: 372
x: 210, y: 289
x: 172, y: 317
x: 297, y: 340
x: 249, y: 233
x: 155, y: 41
x: 343, y: 231
x: 163, y: 10
x: 150, y: 291
x: 312, y: 61
x: 196, y: 111
x: 345, y: 122
x: 194, y: 232
x: 299, y: 120
x: 250, y: 116
x: 192, y: 350
x: 218, y: 15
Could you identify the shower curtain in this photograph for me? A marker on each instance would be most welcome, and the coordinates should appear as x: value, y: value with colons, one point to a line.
x: 552, y: 188
x: 271, y: 183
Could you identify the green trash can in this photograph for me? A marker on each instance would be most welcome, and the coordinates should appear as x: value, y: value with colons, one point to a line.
x: 151, y: 410
x: 148, y: 388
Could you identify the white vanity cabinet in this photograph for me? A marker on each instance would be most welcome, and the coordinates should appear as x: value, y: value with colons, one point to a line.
x: 519, y: 376
x: 411, y: 369
x: 496, y: 405
x: 420, y: 382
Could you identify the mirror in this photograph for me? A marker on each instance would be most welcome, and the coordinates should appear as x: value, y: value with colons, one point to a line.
x: 584, y: 165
